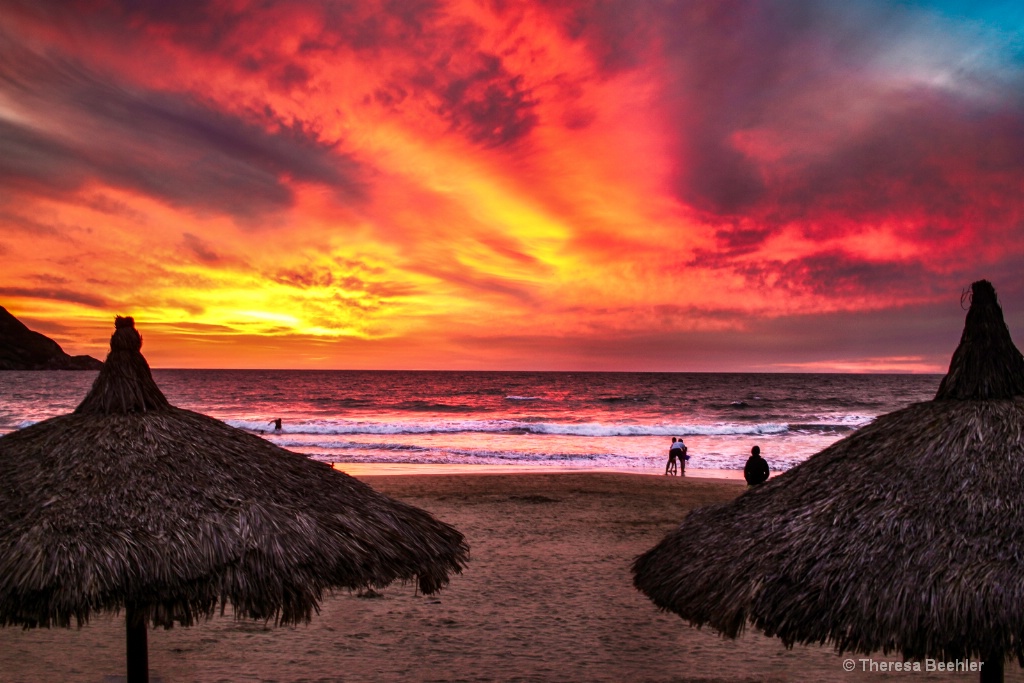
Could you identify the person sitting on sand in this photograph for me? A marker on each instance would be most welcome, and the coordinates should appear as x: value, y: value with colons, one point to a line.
x: 756, y: 470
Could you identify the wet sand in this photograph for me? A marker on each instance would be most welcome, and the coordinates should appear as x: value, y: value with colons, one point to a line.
x: 547, y: 596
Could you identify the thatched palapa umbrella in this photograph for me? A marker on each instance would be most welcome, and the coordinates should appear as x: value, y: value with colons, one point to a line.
x: 907, y: 536
x: 132, y: 503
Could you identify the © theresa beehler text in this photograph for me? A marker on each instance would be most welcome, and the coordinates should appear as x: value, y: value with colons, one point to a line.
x: 874, y: 665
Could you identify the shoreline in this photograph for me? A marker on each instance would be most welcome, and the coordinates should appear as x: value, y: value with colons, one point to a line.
x: 365, y: 469
x: 547, y: 595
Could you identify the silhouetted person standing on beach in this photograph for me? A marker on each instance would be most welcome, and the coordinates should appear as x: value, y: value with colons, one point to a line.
x: 682, y: 456
x: 277, y: 424
x: 756, y: 470
x: 676, y: 454
x: 673, y: 453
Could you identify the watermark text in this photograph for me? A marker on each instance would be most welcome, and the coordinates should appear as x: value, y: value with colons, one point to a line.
x: 958, y: 666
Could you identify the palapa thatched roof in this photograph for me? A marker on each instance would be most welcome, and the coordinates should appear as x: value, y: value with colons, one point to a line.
x: 131, y: 502
x: 907, y: 536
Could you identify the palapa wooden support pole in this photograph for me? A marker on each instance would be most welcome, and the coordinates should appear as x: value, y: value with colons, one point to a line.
x: 992, y: 669
x: 138, y: 647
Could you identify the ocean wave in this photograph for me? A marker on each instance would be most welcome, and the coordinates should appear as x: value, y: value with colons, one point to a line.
x: 432, y: 407
x: 454, y: 460
x: 822, y: 428
x: 844, y: 419
x: 523, y: 398
x: 590, y: 429
x: 341, y: 402
x: 341, y: 445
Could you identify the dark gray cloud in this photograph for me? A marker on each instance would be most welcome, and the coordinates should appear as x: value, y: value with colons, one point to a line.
x: 105, y: 204
x: 344, y: 276
x: 16, y: 221
x: 478, y: 97
x: 199, y: 248
x: 619, y: 34
x: 170, y: 146
x: 484, y: 102
x: 372, y: 26
x: 472, y: 89
x: 33, y: 161
x: 837, y: 275
x: 56, y: 294
x: 484, y: 284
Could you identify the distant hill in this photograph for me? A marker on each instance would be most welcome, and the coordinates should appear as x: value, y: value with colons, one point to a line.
x: 23, y: 349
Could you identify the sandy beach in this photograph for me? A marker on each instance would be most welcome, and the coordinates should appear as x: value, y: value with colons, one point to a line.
x: 547, y: 596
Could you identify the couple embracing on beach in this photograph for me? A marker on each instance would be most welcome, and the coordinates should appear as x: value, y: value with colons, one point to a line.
x: 676, y: 453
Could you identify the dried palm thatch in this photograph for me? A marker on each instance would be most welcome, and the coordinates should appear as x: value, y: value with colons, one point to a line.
x: 907, y: 536
x: 132, y: 503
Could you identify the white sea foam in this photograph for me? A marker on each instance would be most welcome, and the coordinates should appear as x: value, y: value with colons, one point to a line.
x: 587, y: 429
x: 845, y: 419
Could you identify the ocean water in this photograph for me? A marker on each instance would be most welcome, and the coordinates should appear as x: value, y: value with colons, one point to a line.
x: 514, y: 420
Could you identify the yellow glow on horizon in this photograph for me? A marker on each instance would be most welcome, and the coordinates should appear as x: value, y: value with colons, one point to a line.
x: 272, y: 317
x: 897, y: 364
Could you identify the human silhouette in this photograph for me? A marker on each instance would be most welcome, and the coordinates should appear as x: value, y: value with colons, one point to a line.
x: 673, y: 452
x: 756, y: 470
x: 677, y: 458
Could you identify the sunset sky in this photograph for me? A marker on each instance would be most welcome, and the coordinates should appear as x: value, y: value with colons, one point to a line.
x: 496, y: 184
